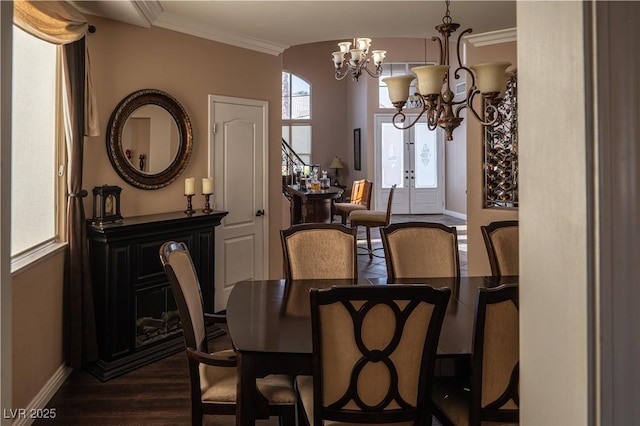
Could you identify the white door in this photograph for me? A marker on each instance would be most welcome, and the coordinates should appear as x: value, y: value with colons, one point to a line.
x: 413, y: 160
x: 237, y: 162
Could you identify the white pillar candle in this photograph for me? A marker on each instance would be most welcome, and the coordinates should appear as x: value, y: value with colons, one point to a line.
x: 207, y: 185
x: 189, y: 186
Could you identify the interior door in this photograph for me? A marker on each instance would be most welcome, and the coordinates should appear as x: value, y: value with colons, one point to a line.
x: 412, y: 159
x: 237, y: 155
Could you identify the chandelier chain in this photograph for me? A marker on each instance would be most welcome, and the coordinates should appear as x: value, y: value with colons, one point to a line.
x: 446, y: 19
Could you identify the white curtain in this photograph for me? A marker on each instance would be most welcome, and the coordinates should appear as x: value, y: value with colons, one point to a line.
x: 59, y: 23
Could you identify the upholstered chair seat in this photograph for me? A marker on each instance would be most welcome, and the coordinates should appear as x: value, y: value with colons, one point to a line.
x: 213, y: 376
x: 374, y: 351
x: 421, y: 249
x: 219, y: 384
x: 372, y: 219
x: 492, y: 398
x: 501, y: 241
x: 360, y: 199
x: 319, y: 251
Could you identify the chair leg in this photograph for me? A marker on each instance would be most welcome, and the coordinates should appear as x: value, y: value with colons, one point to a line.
x: 369, y: 242
x: 288, y: 416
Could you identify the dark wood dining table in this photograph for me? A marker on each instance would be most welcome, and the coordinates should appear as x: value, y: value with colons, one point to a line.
x: 270, y: 328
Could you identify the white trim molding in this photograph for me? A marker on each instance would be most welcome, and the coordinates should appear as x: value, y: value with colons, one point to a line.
x: 455, y: 214
x: 42, y: 398
x: 492, y: 37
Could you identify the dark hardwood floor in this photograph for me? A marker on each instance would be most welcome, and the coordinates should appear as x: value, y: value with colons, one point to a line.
x: 158, y: 394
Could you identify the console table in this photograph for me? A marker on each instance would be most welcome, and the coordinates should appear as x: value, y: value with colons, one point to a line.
x: 137, y: 320
x: 311, y: 206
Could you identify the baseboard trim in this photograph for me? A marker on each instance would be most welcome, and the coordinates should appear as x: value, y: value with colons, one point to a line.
x: 45, y: 394
x: 456, y: 214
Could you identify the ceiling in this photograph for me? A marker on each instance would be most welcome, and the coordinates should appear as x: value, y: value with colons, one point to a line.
x: 273, y: 26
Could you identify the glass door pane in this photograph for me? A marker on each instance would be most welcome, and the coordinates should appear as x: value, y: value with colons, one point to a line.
x: 392, y: 156
x: 426, y: 157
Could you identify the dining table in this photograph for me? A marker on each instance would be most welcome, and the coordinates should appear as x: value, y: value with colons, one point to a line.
x: 269, y: 325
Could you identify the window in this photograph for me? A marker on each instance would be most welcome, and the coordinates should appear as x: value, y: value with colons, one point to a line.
x: 296, y: 114
x: 33, y: 144
x: 392, y: 70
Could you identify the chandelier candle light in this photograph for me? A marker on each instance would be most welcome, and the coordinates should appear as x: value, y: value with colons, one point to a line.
x: 356, y: 60
x: 435, y: 96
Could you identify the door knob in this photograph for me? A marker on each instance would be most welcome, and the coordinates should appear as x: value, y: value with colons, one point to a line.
x: 260, y: 213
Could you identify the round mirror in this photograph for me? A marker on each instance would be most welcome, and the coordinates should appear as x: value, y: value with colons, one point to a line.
x: 149, y: 139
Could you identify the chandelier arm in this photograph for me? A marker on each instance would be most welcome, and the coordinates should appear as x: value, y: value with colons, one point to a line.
x: 375, y: 74
x: 439, y: 40
x: 458, y: 44
x: 400, y: 117
x: 468, y: 71
x: 490, y: 110
x: 341, y: 73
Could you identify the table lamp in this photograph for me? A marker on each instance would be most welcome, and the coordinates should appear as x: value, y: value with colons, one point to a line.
x: 336, y: 164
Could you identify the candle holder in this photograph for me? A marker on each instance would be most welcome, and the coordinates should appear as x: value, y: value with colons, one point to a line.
x: 189, y: 209
x: 207, y: 208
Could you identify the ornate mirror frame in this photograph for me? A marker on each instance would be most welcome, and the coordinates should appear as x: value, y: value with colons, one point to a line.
x: 115, y: 150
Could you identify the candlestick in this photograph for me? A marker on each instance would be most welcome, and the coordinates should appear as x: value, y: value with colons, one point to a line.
x: 207, y: 185
x: 189, y: 186
x: 207, y: 208
x: 189, y: 209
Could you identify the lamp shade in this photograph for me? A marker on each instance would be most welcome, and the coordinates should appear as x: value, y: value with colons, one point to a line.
x: 430, y: 78
x: 398, y: 87
x: 491, y: 77
x: 336, y: 164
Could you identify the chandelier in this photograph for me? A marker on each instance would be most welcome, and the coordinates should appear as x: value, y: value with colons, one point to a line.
x: 435, y: 97
x: 356, y: 60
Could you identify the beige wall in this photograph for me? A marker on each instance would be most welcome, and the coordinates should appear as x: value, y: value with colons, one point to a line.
x: 37, y: 327
x: 127, y: 58
x: 478, y: 262
x: 329, y: 107
x: 554, y: 251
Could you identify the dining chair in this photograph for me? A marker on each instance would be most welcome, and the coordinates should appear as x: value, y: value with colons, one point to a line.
x: 501, y: 240
x: 319, y: 251
x: 372, y: 219
x: 213, y: 376
x: 360, y: 199
x: 493, y: 395
x: 420, y: 249
x: 374, y: 350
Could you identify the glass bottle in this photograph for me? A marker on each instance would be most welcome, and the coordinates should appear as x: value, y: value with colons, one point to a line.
x: 315, y: 183
x: 324, y: 180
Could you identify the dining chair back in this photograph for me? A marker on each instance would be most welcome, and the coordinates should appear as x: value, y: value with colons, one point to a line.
x: 494, y: 392
x: 501, y: 240
x: 374, y: 352
x: 213, y: 376
x: 420, y: 249
x: 319, y: 251
x: 360, y: 199
x: 372, y: 219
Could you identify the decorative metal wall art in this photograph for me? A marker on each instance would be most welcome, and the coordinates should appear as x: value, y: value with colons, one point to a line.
x: 501, y: 153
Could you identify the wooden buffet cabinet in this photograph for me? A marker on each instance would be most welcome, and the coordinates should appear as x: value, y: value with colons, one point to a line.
x: 137, y: 319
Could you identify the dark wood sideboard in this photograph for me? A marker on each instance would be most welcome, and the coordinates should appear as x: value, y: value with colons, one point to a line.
x: 311, y: 206
x: 137, y: 319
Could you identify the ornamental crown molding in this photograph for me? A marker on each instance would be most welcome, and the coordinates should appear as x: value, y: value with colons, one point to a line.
x: 492, y: 37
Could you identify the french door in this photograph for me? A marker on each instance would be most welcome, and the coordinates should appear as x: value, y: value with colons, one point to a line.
x: 413, y: 160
